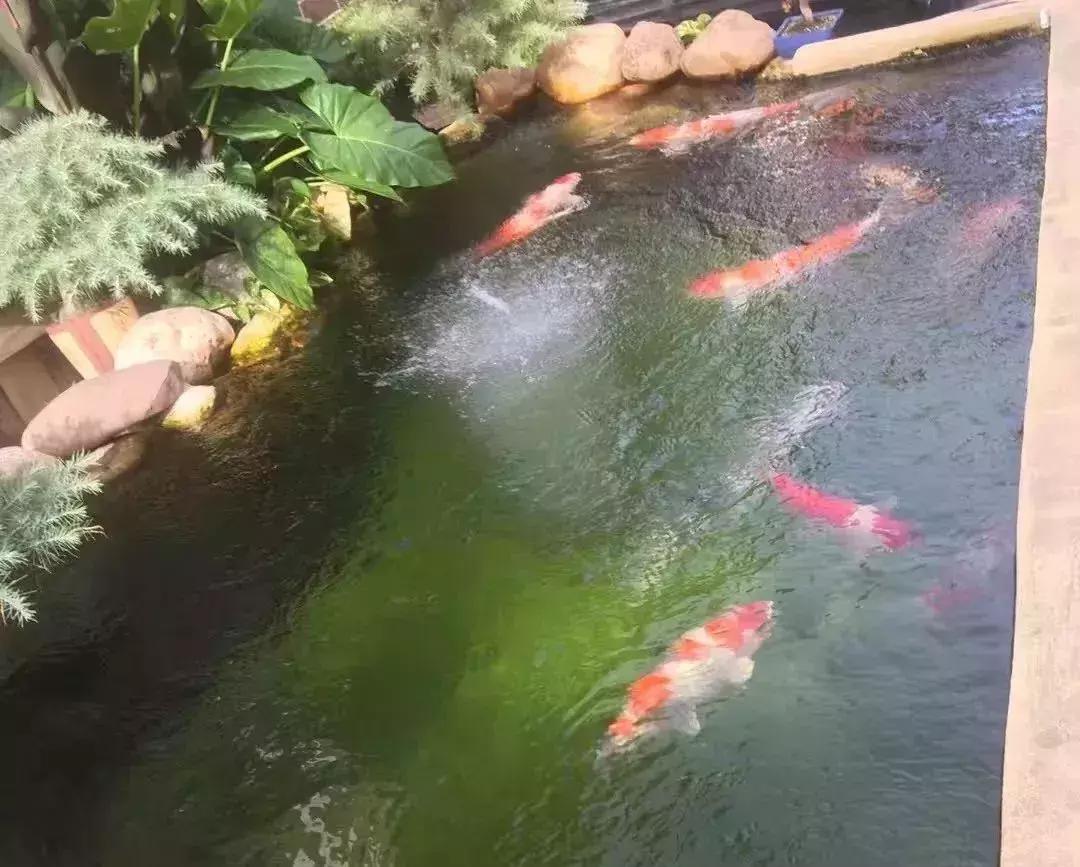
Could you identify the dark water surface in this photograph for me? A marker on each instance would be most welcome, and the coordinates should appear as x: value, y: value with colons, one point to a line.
x: 383, y: 612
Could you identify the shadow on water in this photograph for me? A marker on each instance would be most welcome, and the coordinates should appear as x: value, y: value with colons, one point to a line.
x: 383, y: 611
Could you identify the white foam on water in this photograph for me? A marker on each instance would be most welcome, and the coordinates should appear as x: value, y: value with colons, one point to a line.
x: 529, y: 322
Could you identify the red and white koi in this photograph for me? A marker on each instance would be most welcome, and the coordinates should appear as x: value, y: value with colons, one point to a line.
x: 703, y: 665
x: 556, y: 200
x: 975, y: 574
x: 759, y: 275
x: 678, y: 137
x: 862, y: 522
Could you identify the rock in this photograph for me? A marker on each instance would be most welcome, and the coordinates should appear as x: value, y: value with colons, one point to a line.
x: 637, y: 90
x: 192, y: 409
x: 118, y: 457
x: 228, y: 274
x: 262, y: 338
x: 96, y: 411
x: 331, y: 203
x: 735, y: 43
x: 652, y: 52
x: 14, y: 459
x: 587, y: 63
x: 438, y: 115
x: 502, y: 91
x: 196, y: 339
x: 465, y: 129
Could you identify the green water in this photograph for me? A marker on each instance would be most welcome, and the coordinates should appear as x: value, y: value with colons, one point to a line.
x: 416, y: 580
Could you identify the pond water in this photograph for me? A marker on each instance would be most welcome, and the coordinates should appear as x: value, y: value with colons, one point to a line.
x: 383, y: 613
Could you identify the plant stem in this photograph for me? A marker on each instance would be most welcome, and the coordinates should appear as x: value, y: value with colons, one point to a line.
x: 136, y: 95
x: 217, y: 90
x: 284, y: 158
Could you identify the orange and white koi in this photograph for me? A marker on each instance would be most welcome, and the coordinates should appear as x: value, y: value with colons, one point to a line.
x: 703, y: 665
x: 864, y: 522
x: 758, y: 275
x: 556, y: 200
x: 675, y: 138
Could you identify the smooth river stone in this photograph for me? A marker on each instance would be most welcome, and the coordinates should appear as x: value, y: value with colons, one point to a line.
x: 95, y: 411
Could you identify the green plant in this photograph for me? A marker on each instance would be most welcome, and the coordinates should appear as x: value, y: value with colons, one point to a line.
x: 82, y: 209
x: 440, y: 46
x: 692, y: 28
x: 272, y: 115
x: 43, y: 521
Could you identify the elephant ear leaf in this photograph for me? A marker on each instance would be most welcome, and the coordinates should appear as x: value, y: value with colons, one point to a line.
x: 174, y: 12
x: 228, y: 17
x: 263, y: 69
x: 366, y: 142
x: 271, y: 256
x: 122, y: 30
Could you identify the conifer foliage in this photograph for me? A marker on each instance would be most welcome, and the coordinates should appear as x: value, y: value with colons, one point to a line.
x: 43, y: 520
x: 442, y: 45
x: 82, y: 209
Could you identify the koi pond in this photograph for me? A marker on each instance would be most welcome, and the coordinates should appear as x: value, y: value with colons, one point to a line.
x: 385, y: 610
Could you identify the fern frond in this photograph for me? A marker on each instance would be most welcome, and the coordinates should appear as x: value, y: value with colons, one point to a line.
x: 43, y: 521
x: 82, y: 209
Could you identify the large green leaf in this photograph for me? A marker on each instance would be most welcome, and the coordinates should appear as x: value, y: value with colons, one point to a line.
x: 173, y: 11
x: 263, y: 69
x: 228, y: 17
x: 271, y: 256
x: 123, y: 29
x: 256, y: 123
x: 361, y: 184
x: 303, y: 115
x: 367, y: 142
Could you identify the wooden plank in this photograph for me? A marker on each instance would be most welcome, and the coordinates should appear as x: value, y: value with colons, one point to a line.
x: 11, y: 426
x: 25, y: 381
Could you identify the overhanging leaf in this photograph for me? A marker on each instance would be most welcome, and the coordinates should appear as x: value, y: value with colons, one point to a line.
x: 303, y: 115
x: 272, y: 258
x: 263, y: 69
x: 122, y: 30
x: 173, y: 11
x: 367, y: 142
x: 255, y: 123
x: 228, y: 17
x: 361, y: 184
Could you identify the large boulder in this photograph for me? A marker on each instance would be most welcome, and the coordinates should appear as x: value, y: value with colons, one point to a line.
x: 95, y: 411
x: 585, y: 64
x: 735, y: 43
x: 501, y: 91
x: 196, y: 339
x: 652, y: 52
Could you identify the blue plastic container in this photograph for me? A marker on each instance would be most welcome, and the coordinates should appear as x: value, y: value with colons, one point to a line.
x: 793, y: 34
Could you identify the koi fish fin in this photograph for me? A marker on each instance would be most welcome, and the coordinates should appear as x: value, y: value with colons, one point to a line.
x: 744, y: 669
x: 683, y: 718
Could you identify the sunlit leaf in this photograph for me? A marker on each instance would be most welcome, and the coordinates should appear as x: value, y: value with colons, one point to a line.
x: 271, y: 256
x: 255, y: 123
x: 361, y: 184
x: 122, y: 30
x: 263, y: 69
x: 368, y: 143
x: 228, y: 17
